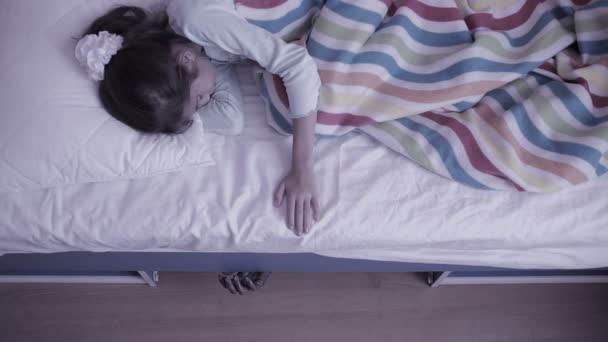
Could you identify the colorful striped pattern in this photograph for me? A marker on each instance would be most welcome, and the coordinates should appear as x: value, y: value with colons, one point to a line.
x: 515, y: 99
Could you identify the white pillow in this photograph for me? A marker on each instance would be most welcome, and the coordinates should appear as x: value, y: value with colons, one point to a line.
x: 53, y: 130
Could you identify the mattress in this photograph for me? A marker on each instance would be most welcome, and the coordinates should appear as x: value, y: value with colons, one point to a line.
x: 375, y: 205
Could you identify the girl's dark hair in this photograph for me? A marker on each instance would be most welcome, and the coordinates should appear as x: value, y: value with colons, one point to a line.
x: 144, y: 86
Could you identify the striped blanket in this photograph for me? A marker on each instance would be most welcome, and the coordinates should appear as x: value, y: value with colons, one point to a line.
x: 489, y: 95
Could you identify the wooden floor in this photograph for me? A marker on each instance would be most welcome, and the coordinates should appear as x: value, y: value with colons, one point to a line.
x: 318, y: 307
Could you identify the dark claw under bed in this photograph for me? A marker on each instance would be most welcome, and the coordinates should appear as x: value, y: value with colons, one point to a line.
x: 238, y: 282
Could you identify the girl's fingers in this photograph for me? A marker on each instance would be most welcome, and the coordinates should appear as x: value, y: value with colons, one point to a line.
x: 307, y: 215
x: 279, y: 195
x: 299, y: 217
x: 291, y: 208
x: 316, y: 209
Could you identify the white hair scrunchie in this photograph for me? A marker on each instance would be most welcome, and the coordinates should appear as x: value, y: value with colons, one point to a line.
x: 94, y: 52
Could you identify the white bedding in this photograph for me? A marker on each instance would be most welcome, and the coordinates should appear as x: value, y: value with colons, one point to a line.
x: 376, y: 205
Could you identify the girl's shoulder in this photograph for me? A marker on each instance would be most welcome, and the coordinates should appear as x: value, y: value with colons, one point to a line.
x: 205, y: 13
x: 213, y: 24
x: 201, y: 7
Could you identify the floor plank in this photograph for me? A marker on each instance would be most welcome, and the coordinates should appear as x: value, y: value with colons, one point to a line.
x: 304, y: 307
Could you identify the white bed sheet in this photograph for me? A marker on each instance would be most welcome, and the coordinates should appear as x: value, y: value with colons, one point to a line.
x: 376, y: 205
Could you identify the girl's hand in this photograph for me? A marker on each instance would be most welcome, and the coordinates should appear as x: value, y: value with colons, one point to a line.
x: 302, y: 40
x: 300, y: 189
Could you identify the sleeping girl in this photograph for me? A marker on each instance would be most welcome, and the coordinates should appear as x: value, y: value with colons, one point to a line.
x: 157, y: 72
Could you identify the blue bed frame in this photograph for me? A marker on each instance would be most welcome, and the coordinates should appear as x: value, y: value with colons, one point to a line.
x: 211, y: 262
x: 148, y: 264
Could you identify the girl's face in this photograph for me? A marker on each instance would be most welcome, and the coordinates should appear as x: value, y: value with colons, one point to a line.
x: 203, y: 86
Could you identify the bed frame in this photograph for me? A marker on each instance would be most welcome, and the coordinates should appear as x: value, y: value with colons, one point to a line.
x: 144, y: 268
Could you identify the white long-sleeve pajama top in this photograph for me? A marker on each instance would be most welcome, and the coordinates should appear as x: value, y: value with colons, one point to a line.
x: 227, y: 38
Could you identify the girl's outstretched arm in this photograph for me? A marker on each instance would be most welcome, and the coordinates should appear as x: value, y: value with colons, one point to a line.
x: 300, y: 187
x: 217, y: 24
